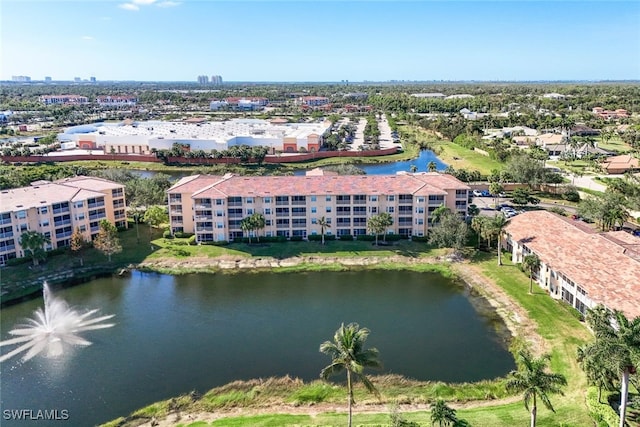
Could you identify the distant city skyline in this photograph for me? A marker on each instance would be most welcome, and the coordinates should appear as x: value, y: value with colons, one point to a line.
x: 323, y: 41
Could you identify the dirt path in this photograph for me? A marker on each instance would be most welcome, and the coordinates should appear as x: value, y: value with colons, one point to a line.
x: 514, y: 316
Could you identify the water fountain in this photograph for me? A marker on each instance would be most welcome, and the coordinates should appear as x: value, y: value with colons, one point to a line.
x: 51, y: 327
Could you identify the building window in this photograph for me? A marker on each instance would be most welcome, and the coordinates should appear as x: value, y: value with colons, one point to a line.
x: 373, y: 198
x: 249, y: 200
x: 21, y: 214
x: 390, y: 209
x: 420, y: 199
x: 314, y: 220
x: 267, y: 200
x: 79, y: 205
x: 267, y: 211
x: 391, y: 198
x: 219, y: 202
x: 313, y: 198
x: 328, y: 209
x: 420, y: 210
x: 328, y: 198
x: 44, y: 210
x: 313, y: 209
x: 249, y: 211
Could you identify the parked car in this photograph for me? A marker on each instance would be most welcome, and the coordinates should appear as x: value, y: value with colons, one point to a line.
x: 485, y: 193
x: 477, y: 193
x: 636, y: 232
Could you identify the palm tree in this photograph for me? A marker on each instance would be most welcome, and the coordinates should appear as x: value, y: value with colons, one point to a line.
x: 617, y: 345
x: 443, y: 415
x: 531, y: 263
x: 246, y: 226
x: 258, y: 223
x: 348, y: 354
x: 432, y: 167
x: 478, y: 224
x: 495, y: 188
x: 498, y: 223
x: 593, y: 361
x: 324, y: 224
x: 532, y: 379
x: 438, y: 213
x: 413, y: 169
x: 32, y: 243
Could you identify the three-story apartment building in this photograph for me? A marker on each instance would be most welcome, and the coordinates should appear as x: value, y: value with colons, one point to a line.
x: 212, y: 207
x: 56, y: 209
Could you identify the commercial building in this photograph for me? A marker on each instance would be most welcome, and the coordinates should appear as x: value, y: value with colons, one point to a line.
x: 23, y: 79
x: 64, y: 99
x: 142, y: 137
x: 216, y: 80
x: 117, y: 101
x: 203, y: 80
x: 56, y: 209
x: 213, y: 206
x: 578, y: 265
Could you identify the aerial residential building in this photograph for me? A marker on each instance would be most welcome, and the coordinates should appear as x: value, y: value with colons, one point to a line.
x: 610, y: 114
x: 216, y: 104
x: 213, y: 206
x: 254, y: 103
x: 203, y: 80
x: 578, y: 265
x: 64, y: 99
x: 216, y: 80
x: 313, y: 101
x: 56, y: 209
x: 117, y: 101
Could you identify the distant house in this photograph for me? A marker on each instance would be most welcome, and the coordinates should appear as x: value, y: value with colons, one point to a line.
x: 558, y: 96
x: 582, y: 130
x: 610, y: 114
x: 620, y: 164
x: 116, y: 101
x: 429, y: 95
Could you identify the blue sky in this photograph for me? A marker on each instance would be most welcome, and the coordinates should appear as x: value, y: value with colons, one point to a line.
x: 177, y: 40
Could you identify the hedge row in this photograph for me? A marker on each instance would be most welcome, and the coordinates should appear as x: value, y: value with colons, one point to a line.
x: 602, y: 413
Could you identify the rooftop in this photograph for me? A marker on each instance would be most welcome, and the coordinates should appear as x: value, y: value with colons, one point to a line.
x: 605, y: 265
x: 264, y: 186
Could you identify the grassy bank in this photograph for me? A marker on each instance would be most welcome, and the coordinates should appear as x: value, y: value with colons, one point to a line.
x: 453, y: 154
x: 277, y: 402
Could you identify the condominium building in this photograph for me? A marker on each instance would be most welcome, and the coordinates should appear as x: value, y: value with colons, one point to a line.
x: 56, y: 209
x: 213, y: 206
x: 579, y: 265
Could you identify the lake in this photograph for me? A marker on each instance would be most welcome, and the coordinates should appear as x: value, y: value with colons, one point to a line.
x: 175, y: 334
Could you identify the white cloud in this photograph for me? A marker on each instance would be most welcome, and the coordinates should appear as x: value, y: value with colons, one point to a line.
x: 143, y: 2
x: 87, y: 38
x: 128, y: 6
x: 168, y: 4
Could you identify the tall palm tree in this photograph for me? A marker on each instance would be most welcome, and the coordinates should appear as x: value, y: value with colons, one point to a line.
x: 413, y: 169
x: 593, y: 360
x: 443, y: 415
x: 498, y: 223
x: 438, y: 213
x: 618, y: 343
x: 246, y: 226
x: 531, y: 263
x: 432, y: 167
x: 478, y: 224
x: 258, y: 223
x: 324, y: 224
x: 348, y: 354
x: 534, y: 381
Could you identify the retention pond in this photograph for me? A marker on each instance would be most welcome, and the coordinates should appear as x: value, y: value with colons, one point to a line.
x: 175, y: 334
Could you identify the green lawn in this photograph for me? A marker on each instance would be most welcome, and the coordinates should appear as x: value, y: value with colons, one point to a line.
x: 615, y: 144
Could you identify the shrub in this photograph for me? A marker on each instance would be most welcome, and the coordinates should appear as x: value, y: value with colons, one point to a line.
x: 423, y: 239
x: 182, y: 235
x: 218, y: 243
x: 318, y: 237
x: 17, y: 261
x: 558, y: 210
x: 602, y: 413
x: 346, y: 237
x: 167, y: 235
x: 296, y: 238
x: 192, y: 240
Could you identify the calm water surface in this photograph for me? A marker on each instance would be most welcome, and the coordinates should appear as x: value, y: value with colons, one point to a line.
x: 177, y: 334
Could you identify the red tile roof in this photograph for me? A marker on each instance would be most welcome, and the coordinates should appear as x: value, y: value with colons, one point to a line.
x: 607, y: 270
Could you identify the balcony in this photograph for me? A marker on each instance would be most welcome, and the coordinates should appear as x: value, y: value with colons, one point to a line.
x: 63, y: 235
x: 7, y: 248
x: 177, y: 222
x: 199, y: 229
x: 299, y: 214
x: 436, y: 202
x: 120, y: 216
x: 63, y: 210
x: 90, y: 206
x: 6, y: 235
x: 176, y: 211
x: 5, y: 221
x: 61, y: 223
x: 95, y: 229
x: 204, y: 217
x: 298, y: 202
x: 282, y: 203
x: 97, y: 216
x: 175, y: 200
x: 232, y: 204
x: 235, y: 215
x: 343, y: 213
x: 203, y: 206
x: 343, y: 202
x: 282, y: 226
